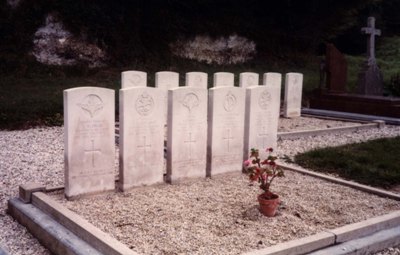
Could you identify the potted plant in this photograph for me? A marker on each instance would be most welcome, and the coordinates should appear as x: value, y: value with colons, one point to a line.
x: 264, y: 172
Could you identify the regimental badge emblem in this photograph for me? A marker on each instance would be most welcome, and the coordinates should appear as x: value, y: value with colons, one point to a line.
x: 229, y: 102
x: 135, y: 79
x: 92, y: 105
x: 190, y: 101
x: 264, y: 100
x: 144, y: 104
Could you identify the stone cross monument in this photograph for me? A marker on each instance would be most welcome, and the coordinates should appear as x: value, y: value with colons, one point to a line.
x: 372, y: 32
x: 370, y: 79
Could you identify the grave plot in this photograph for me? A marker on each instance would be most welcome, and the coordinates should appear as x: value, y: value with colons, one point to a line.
x: 44, y: 148
x: 312, y: 123
x: 220, y: 215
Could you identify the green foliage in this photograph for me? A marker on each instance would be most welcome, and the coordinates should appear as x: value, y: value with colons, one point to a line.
x: 36, y: 99
x: 373, y: 163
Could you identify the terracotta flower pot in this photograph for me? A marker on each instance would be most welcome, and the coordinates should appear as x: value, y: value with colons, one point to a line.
x: 268, y: 204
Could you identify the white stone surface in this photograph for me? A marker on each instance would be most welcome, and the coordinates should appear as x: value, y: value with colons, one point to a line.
x: 141, y: 151
x: 187, y: 133
x: 273, y: 82
x: 133, y: 79
x: 89, y: 138
x: 293, y: 95
x: 260, y: 128
x: 225, y: 130
x: 248, y: 79
x: 166, y: 80
x: 196, y: 79
x: 223, y: 79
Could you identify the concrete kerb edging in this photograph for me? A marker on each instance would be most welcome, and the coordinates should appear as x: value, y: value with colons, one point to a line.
x: 298, y: 246
x: 379, y: 192
x: 108, y: 245
x: 332, y: 237
x: 304, y: 133
x: 80, y: 227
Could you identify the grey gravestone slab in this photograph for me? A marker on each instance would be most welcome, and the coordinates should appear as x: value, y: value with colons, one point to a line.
x: 196, y: 79
x: 248, y: 79
x: 293, y: 95
x: 141, y: 153
x: 225, y: 130
x: 187, y: 133
x: 89, y: 138
x: 222, y: 79
x: 370, y: 79
x: 262, y: 106
x: 133, y: 79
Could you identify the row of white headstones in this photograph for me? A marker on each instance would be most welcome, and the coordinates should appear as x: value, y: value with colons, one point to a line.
x: 209, y: 131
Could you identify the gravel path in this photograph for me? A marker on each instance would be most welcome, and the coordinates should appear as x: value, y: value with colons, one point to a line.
x: 37, y: 155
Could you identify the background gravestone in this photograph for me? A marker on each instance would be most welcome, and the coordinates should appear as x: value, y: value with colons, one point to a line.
x: 166, y: 80
x: 273, y: 83
x: 370, y: 79
x: 133, y: 79
x: 222, y: 79
x: 187, y: 133
x: 293, y: 95
x: 196, y: 79
x: 336, y: 70
x: 141, y: 152
x: 89, y: 137
x: 248, y: 79
x: 225, y: 130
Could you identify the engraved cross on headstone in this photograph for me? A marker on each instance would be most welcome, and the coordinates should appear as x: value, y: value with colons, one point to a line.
x: 144, y: 146
x: 372, y: 32
x: 264, y: 135
x: 189, y: 142
x: 93, y: 151
x: 228, y: 138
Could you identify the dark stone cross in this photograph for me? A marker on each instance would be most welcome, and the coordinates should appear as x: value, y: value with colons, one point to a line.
x: 372, y: 32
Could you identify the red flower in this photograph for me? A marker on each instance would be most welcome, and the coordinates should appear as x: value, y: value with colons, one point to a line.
x: 269, y: 149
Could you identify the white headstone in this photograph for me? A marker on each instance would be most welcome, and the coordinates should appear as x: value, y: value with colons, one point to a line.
x: 262, y: 105
x: 166, y: 80
x: 133, y: 79
x: 225, y: 130
x: 187, y: 133
x: 141, y: 152
x: 196, y: 79
x: 293, y: 94
x: 89, y: 138
x: 273, y: 82
x: 223, y: 79
x: 248, y: 79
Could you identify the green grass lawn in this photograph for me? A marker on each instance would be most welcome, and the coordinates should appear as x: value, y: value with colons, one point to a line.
x: 375, y: 163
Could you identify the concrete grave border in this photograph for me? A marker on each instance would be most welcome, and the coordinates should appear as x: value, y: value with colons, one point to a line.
x: 85, y: 236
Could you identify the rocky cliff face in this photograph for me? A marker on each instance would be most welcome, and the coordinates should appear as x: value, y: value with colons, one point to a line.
x: 54, y: 45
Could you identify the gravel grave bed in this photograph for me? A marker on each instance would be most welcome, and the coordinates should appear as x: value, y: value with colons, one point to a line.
x: 37, y: 155
x: 220, y: 215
